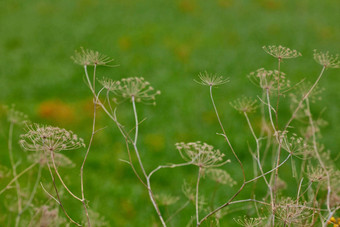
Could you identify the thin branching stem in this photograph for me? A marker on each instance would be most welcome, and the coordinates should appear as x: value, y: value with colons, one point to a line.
x: 8, y: 186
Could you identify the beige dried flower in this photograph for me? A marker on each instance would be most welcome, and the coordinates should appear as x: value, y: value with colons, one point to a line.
x: 221, y: 177
x: 137, y: 88
x: 60, y: 160
x: 166, y: 199
x: 110, y: 84
x: 190, y: 193
x: 16, y: 117
x: 211, y: 79
x: 201, y: 154
x: 290, y: 212
x: 281, y: 52
x: 327, y: 60
x: 316, y: 174
x: 4, y: 172
x: 244, y: 105
x: 249, y: 222
x: 48, y: 138
x: 87, y: 57
x: 268, y: 80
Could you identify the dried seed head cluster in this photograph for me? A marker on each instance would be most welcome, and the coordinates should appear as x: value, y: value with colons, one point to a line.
x: 87, y: 57
x: 303, y: 88
x: 268, y: 80
x: 137, y: 88
x: 290, y: 212
x: 221, y: 177
x: 190, y: 193
x: 44, y: 158
x: 244, y: 105
x: 47, y: 216
x: 316, y: 174
x: 4, y: 172
x: 166, y: 199
x: 109, y: 84
x: 16, y: 117
x: 201, y: 154
x: 281, y: 52
x: 249, y: 222
x: 327, y: 60
x: 49, y: 138
x: 211, y: 79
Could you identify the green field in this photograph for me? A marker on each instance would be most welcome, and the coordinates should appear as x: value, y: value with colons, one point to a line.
x: 168, y: 43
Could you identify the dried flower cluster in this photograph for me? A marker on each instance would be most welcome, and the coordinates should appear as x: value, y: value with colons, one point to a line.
x: 201, y: 154
x: 132, y: 87
x: 290, y: 212
x: 249, y: 222
x: 166, y: 199
x: 16, y: 117
x: 49, y: 138
x: 327, y: 60
x: 221, y: 176
x: 87, y: 57
x: 281, y: 52
x: 244, y: 105
x: 208, y: 79
x: 268, y: 80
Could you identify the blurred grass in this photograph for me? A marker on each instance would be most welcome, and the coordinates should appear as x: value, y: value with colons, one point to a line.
x: 168, y: 43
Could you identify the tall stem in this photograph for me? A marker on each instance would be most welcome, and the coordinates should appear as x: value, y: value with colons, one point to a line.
x: 152, y: 198
x: 17, y: 184
x: 197, y: 195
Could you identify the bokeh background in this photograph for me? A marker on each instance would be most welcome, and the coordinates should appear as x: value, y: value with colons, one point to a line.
x: 168, y: 42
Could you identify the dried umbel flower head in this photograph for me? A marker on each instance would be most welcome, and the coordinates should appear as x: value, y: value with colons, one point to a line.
x: 249, y: 222
x: 49, y: 139
x: 289, y: 212
x: 211, y: 79
x: 268, y: 80
x: 316, y: 174
x: 138, y: 89
x: 201, y: 154
x: 244, y: 105
x: 16, y: 117
x: 281, y: 52
x: 303, y: 88
x: 221, y: 176
x: 60, y: 160
x: 109, y: 84
x: 190, y: 193
x: 4, y: 172
x: 166, y: 199
x: 327, y: 60
x: 87, y: 57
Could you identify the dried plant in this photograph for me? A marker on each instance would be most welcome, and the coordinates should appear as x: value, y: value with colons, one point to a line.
x: 295, y: 143
x: 281, y: 52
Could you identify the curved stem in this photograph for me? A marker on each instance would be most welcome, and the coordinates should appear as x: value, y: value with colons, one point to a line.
x: 17, y: 177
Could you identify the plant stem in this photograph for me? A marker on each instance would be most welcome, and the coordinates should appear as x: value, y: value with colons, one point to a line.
x: 17, y: 176
x: 17, y: 184
x: 197, y: 196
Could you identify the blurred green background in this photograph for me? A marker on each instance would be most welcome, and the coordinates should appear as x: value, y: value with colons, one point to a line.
x: 168, y: 42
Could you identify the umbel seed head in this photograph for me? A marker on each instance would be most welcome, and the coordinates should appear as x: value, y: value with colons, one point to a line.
x: 211, y: 79
x: 49, y: 139
x: 281, y: 52
x: 136, y: 88
x: 327, y: 60
x: 87, y: 57
x: 201, y: 154
x: 244, y: 105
